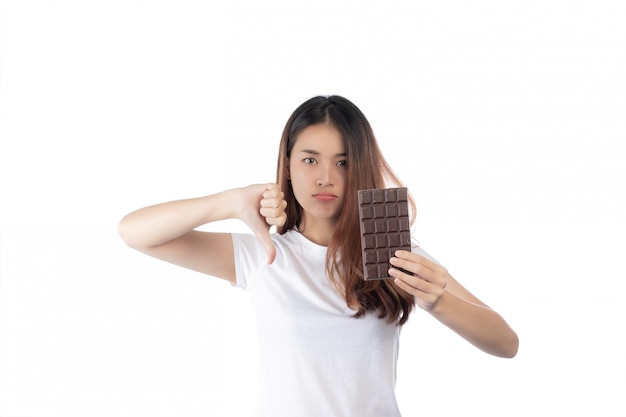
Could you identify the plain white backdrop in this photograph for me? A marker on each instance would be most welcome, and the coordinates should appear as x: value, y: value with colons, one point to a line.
x: 506, y: 119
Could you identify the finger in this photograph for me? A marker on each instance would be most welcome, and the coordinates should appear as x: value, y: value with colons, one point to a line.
x: 414, y: 257
x: 416, y: 286
x: 273, y: 211
x: 423, y: 299
x: 271, y: 190
x: 408, y: 288
x: 271, y: 252
x: 427, y: 287
x: 279, y: 220
x: 421, y: 266
x: 268, y: 244
x: 274, y: 201
x: 412, y: 281
x: 411, y: 266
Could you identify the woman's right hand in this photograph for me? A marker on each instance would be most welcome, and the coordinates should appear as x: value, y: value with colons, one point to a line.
x: 167, y: 231
x: 263, y: 207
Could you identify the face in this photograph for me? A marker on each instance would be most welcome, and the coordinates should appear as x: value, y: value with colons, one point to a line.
x: 318, y: 172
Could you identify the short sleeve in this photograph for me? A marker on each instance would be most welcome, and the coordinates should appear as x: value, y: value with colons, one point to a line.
x: 250, y: 256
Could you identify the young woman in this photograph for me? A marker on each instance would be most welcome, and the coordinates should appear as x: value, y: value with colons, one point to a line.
x: 328, y: 339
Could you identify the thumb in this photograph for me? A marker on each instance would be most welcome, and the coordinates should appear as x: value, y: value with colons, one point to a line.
x: 263, y: 234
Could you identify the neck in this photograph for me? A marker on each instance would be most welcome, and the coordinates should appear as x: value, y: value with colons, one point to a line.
x: 318, y: 232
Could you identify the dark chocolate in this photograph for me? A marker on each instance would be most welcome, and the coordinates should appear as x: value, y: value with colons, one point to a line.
x: 385, y: 228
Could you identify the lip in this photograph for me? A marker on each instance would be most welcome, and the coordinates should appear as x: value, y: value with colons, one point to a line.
x: 325, y: 196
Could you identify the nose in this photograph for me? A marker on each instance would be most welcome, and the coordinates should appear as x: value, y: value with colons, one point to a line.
x: 325, y: 175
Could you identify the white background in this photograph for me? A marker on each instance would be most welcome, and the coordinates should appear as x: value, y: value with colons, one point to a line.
x: 505, y: 118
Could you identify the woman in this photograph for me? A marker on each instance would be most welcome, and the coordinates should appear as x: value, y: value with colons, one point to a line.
x: 328, y: 339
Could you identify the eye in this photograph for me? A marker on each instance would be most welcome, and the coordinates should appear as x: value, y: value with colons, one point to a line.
x: 342, y: 164
x: 309, y: 161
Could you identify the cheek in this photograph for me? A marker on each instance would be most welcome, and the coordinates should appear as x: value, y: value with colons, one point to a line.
x: 342, y: 178
x: 296, y: 179
x: 298, y: 174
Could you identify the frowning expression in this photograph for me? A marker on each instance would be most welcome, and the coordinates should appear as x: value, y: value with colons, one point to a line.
x: 318, y: 172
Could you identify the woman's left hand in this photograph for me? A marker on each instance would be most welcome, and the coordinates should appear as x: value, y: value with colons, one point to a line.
x: 428, y: 282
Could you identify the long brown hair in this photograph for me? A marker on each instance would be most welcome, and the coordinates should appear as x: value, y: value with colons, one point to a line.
x: 367, y: 169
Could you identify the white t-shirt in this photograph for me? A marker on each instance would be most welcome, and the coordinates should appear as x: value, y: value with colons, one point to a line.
x: 316, y: 359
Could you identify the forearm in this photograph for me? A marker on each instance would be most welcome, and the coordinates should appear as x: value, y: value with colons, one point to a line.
x: 478, y: 324
x: 154, y: 225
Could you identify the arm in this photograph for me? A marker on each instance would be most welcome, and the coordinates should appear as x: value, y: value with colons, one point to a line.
x: 474, y: 321
x: 166, y: 231
x: 437, y: 292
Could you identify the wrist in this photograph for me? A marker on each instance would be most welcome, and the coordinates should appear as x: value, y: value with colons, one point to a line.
x: 438, y: 308
x: 219, y: 206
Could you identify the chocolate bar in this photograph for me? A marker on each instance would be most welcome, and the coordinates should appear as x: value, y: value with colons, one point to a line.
x: 385, y: 228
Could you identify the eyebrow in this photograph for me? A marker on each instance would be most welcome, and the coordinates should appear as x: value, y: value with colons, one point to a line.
x: 312, y: 152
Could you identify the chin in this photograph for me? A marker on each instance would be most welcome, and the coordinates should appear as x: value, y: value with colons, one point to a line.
x: 321, y: 214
